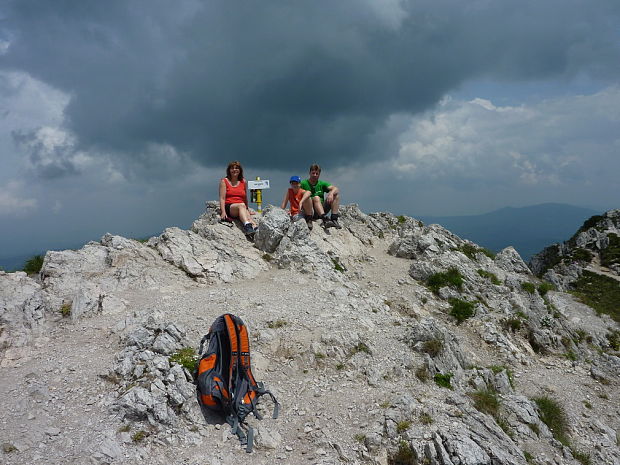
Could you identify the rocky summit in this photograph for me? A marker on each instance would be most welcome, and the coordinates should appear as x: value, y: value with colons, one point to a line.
x: 386, y: 342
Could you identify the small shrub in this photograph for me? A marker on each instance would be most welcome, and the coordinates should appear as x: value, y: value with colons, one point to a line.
x: 65, y: 310
x: 511, y: 324
x: 528, y: 457
x: 401, y: 219
x: 490, y: 276
x: 452, y: 277
x: 276, y: 324
x: 403, y: 456
x: 186, y: 357
x: 570, y: 355
x: 402, y: 426
x: 338, y: 266
x: 528, y: 287
x: 267, y: 257
x: 509, y: 373
x: 426, y: 419
x: 139, y: 436
x: 582, y: 255
x: 360, y: 347
x: 432, y: 347
x: 545, y: 287
x: 443, y: 380
x: 359, y: 437
x: 461, y: 310
x: 124, y: 429
x: 33, y: 265
x: 587, y: 404
x: 553, y: 415
x: 340, y: 366
x: 580, y: 336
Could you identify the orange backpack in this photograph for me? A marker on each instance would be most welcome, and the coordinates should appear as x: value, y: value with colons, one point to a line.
x: 225, y: 382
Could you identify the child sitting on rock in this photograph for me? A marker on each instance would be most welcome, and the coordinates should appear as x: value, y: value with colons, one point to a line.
x: 297, y: 197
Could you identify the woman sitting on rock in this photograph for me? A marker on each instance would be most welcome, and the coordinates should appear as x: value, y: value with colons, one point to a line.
x: 234, y: 197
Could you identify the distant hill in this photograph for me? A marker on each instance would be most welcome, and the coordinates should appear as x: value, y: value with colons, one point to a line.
x: 527, y: 229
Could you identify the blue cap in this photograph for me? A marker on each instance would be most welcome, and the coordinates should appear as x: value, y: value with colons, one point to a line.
x: 295, y: 179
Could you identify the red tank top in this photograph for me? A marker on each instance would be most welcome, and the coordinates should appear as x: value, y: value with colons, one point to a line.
x: 234, y: 194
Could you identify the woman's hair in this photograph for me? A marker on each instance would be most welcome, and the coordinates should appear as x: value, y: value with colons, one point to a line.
x: 233, y: 164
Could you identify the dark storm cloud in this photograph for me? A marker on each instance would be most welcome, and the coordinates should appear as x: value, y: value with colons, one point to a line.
x: 275, y: 83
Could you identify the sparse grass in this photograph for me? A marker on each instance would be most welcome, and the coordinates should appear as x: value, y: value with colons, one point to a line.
x: 610, y: 255
x: 33, y: 265
x: 402, y: 426
x: 359, y: 437
x: 461, y: 310
x: 385, y: 404
x: 452, y: 277
x: 403, y: 456
x: 534, y: 427
x: 432, y: 347
x: 360, y: 347
x: 422, y: 374
x: 499, y: 368
x: 530, y: 288
x: 426, y: 419
x: 443, y: 380
x: 490, y: 276
x: 553, y: 415
x: 124, y: 429
x: 587, y: 404
x: 582, y: 255
x: 580, y: 456
x: 7, y: 448
x: 471, y: 251
x: 139, y: 436
x: 486, y: 401
x: 580, y: 336
x: 570, y: 355
x: 613, y: 337
x: 545, y: 287
x: 528, y: 457
x: 267, y: 257
x: 602, y: 293
x: 319, y: 356
x: 276, y: 324
x: 340, y: 366
x: 186, y: 357
x: 141, y: 240
x: 65, y: 310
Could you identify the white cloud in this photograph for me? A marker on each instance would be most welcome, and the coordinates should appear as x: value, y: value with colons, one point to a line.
x: 13, y: 202
x: 552, y: 142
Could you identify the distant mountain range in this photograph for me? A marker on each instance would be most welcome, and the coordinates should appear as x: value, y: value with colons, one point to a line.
x: 527, y: 229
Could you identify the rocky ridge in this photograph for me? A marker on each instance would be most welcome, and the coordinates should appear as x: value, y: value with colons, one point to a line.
x: 386, y: 342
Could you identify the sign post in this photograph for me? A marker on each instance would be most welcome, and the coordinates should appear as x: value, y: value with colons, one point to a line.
x: 256, y: 192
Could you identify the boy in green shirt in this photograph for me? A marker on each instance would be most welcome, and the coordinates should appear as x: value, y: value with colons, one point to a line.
x: 322, y: 203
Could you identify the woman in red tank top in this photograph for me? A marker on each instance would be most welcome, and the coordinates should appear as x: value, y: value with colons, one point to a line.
x: 234, y: 197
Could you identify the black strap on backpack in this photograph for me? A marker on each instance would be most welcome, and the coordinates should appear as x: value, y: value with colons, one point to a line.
x: 224, y: 380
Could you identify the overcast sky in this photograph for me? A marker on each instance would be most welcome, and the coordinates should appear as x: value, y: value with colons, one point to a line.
x: 121, y: 115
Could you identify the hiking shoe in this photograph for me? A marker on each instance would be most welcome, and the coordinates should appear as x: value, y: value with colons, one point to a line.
x: 309, y: 223
x: 328, y: 224
x: 249, y: 229
x: 335, y: 223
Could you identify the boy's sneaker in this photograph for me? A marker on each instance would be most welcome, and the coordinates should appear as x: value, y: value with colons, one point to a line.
x: 248, y: 228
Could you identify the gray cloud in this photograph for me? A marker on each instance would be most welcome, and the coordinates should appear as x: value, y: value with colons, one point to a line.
x: 278, y: 85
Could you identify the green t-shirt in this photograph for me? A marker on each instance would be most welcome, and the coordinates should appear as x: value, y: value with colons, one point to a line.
x: 319, y: 189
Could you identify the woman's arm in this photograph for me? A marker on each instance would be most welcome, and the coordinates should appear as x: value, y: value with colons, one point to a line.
x: 222, y: 199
